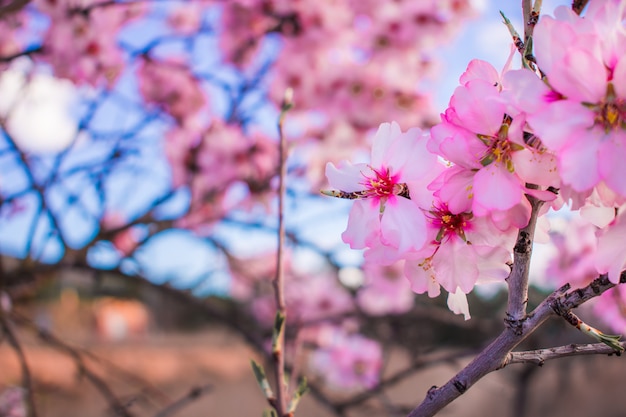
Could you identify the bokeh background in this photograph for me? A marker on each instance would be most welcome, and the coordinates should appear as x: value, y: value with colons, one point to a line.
x: 138, y: 177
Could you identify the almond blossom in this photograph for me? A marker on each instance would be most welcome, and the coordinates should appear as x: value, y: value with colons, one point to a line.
x: 396, y: 216
x: 385, y: 290
x: 464, y: 250
x: 485, y: 139
x: 346, y: 360
x: 580, y: 111
x: 386, y: 189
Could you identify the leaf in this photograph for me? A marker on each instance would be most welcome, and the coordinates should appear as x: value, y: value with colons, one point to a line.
x: 300, y: 391
x: 261, y: 378
x: 279, y: 325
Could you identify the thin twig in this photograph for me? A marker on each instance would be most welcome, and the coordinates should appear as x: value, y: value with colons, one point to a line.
x: 45, y: 336
x: 278, y: 283
x: 422, y: 363
x: 27, y: 379
x: 526, y: 12
x: 114, y: 402
x: 191, y: 396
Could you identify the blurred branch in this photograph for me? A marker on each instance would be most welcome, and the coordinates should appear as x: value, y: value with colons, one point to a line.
x: 114, y: 402
x: 27, y: 379
x: 423, y: 362
x: 26, y: 52
x: 12, y: 6
x: 579, y: 5
x: 46, y: 336
x: 192, y: 395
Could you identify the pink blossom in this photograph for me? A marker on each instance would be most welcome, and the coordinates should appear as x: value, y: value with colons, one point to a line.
x: 13, y: 402
x: 186, y: 18
x: 82, y: 46
x: 464, y: 251
x: 611, y: 254
x: 346, y: 361
x: 580, y: 114
x: 484, y: 138
x: 171, y: 86
x: 385, y: 290
x: 12, y: 28
x: 127, y: 238
x: 400, y: 167
x: 574, y: 259
x: 611, y: 308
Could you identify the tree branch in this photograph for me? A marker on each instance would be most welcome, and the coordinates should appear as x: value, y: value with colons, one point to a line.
x: 579, y: 5
x: 13, y: 6
x: 495, y: 356
x: 518, y: 279
x: 540, y: 356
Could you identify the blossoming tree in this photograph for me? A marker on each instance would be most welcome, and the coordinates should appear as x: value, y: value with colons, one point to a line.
x: 164, y: 139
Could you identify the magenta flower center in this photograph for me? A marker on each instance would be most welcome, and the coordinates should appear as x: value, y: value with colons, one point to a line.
x: 449, y: 224
x: 383, y: 185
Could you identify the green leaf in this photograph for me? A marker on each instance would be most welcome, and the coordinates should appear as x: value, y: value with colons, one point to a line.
x: 261, y: 378
x: 300, y: 391
x: 270, y: 413
x: 279, y: 326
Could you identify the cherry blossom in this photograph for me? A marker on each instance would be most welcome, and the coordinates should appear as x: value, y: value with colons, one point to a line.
x: 187, y: 18
x: 611, y: 308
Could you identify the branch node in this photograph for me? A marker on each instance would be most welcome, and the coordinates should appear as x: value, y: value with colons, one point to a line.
x: 432, y: 391
x: 516, y: 325
x: 460, y: 387
x: 523, y: 243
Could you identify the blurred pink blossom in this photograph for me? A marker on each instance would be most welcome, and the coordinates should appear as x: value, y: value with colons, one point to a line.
x: 346, y: 361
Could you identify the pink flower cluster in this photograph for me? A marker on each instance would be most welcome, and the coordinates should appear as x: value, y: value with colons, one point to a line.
x: 450, y: 202
x: 398, y: 214
x: 581, y: 251
x: 373, y: 70
x: 13, y: 402
x: 324, y: 313
x: 172, y: 87
x: 346, y: 360
x: 80, y: 42
x: 212, y: 161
